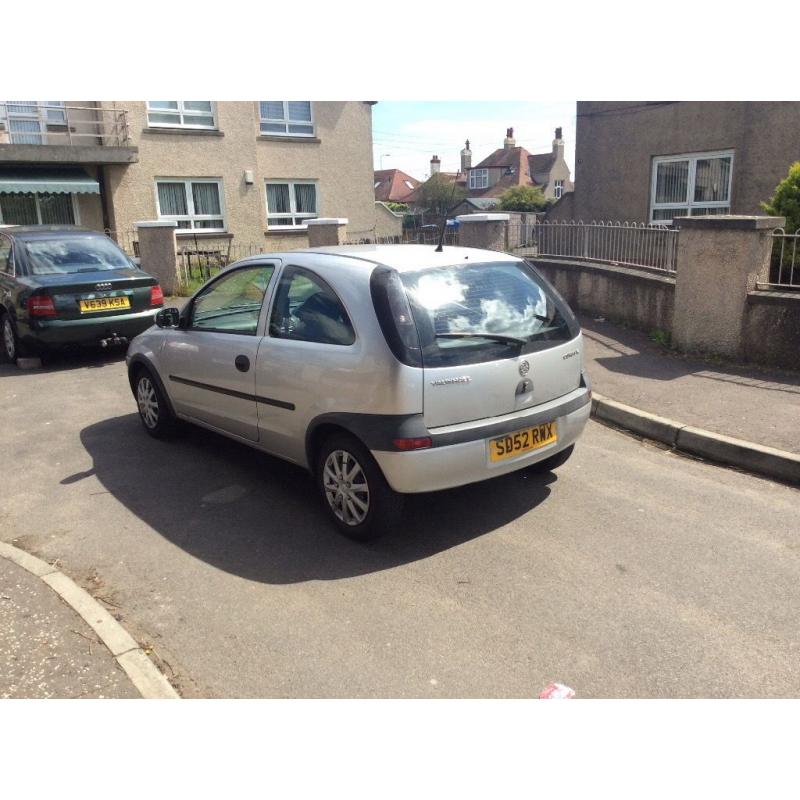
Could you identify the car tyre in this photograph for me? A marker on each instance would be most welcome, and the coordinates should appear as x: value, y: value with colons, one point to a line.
x: 353, y: 491
x: 12, y: 348
x: 154, y: 411
x: 554, y: 462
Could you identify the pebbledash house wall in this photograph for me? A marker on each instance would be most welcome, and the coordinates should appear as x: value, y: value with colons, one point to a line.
x: 617, y: 141
x: 338, y: 157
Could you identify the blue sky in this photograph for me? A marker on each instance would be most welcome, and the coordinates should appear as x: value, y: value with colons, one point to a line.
x: 406, y: 134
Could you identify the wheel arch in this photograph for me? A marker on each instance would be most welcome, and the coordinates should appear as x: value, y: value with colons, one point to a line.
x: 138, y: 363
x: 318, y: 432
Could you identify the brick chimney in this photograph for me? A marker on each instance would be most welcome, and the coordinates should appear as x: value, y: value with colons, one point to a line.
x: 436, y: 165
x: 509, y: 142
x: 466, y: 157
x: 558, y: 144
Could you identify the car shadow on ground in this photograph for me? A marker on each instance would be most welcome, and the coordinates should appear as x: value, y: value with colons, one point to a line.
x: 654, y: 361
x: 258, y: 517
x: 65, y: 360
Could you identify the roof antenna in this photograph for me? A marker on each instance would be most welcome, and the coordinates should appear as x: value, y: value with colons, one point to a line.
x: 439, y: 247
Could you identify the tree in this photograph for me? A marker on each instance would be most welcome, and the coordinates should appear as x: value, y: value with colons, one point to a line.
x: 438, y: 194
x: 523, y: 198
x: 400, y: 208
x: 786, y: 200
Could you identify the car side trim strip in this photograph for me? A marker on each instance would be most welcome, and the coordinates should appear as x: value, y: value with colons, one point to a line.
x: 269, y: 401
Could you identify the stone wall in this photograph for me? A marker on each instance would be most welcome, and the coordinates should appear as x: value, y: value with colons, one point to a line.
x: 636, y: 298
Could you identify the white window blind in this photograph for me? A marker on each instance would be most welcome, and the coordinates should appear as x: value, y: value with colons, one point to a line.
x: 181, y: 114
x: 691, y: 185
x: 286, y: 117
x: 290, y: 203
x: 195, y: 204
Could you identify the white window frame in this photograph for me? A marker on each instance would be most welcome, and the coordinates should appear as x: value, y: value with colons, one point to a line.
x: 286, y: 121
x: 181, y: 111
x: 690, y: 203
x: 558, y: 189
x: 191, y: 216
x: 291, y: 183
x: 73, y: 197
x: 50, y: 112
x: 481, y: 173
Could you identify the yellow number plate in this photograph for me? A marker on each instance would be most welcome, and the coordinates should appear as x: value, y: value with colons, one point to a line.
x: 104, y: 304
x: 515, y: 444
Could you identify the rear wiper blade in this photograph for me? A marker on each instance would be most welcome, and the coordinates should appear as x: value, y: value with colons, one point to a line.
x: 495, y: 337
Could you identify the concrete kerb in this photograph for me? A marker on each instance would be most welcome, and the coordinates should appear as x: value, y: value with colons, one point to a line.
x: 759, y: 459
x: 145, y: 676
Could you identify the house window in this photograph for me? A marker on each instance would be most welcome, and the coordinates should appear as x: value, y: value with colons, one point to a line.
x: 691, y: 185
x: 291, y: 204
x: 38, y: 209
x: 27, y: 120
x: 559, y: 189
x: 409, y: 184
x: 194, y: 203
x: 181, y: 114
x: 286, y: 117
x: 478, y: 178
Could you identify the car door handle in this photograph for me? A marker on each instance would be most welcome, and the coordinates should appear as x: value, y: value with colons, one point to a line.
x: 242, y: 363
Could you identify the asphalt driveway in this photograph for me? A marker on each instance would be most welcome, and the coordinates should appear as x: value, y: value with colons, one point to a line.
x: 633, y: 572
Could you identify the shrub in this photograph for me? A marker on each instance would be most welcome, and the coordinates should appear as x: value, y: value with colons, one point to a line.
x: 523, y: 198
x: 786, y: 200
x: 438, y: 194
x: 400, y: 208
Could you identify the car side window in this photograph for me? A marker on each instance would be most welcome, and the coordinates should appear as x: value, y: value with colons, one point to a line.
x: 233, y: 303
x: 308, y: 310
x: 6, y: 259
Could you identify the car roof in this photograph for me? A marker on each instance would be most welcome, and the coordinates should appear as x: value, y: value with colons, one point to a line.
x: 402, y: 257
x: 46, y: 231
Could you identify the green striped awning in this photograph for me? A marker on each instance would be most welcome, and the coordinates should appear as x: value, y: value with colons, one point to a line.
x: 72, y: 181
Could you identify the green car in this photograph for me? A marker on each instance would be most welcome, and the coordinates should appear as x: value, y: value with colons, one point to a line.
x: 65, y: 286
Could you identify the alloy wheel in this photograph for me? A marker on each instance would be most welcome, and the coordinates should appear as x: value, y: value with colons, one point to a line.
x: 8, y: 339
x: 147, y: 401
x: 346, y: 488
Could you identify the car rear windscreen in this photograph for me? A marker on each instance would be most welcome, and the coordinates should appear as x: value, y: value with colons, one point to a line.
x: 483, y: 312
x: 74, y: 254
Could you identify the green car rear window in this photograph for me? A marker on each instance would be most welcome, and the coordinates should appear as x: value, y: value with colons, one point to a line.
x: 74, y: 254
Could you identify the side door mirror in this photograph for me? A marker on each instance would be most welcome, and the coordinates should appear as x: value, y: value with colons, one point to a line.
x: 168, y: 318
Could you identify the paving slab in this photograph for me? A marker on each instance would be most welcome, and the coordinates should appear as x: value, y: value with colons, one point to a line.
x: 744, y: 402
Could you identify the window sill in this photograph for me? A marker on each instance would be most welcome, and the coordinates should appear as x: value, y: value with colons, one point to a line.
x: 278, y: 138
x: 184, y: 131
x: 288, y: 231
x: 182, y: 233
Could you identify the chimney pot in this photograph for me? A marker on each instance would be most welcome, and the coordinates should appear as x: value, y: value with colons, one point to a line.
x: 466, y: 158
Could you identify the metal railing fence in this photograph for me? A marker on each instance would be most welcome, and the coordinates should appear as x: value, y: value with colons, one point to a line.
x: 125, y: 240
x: 199, y: 261
x: 784, y: 269
x: 32, y: 122
x: 425, y: 235
x: 627, y: 244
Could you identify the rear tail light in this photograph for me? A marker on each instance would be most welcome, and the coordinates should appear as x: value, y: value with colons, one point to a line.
x: 41, y: 306
x: 419, y: 443
x: 156, y: 296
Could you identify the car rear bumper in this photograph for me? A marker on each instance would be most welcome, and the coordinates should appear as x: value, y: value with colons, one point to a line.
x: 449, y: 465
x: 89, y: 330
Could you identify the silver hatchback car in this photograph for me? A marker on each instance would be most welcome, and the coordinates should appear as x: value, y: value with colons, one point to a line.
x: 384, y: 370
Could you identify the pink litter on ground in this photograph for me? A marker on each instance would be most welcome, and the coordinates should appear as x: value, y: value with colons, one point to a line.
x: 557, y: 691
